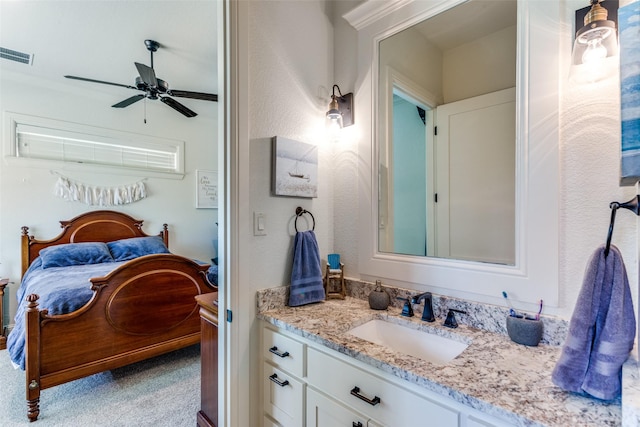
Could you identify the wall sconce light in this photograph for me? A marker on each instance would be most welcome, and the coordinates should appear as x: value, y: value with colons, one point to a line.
x: 340, y: 112
x: 595, y: 49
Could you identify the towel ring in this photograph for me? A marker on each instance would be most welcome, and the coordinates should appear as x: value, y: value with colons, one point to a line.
x: 299, y: 213
x: 633, y: 205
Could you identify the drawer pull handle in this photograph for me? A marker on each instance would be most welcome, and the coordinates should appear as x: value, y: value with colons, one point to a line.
x: 358, y: 424
x: 274, y: 378
x: 372, y: 402
x: 275, y: 351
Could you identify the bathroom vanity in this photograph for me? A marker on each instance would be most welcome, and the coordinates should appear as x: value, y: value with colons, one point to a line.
x: 331, y: 390
x: 316, y: 373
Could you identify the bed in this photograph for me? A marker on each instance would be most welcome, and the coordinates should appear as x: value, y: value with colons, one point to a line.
x: 137, y: 305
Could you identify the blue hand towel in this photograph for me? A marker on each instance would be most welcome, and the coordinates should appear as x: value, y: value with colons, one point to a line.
x: 601, y: 331
x: 306, y: 275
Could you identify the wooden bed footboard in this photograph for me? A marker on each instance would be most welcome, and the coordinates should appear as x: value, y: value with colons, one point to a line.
x: 144, y: 308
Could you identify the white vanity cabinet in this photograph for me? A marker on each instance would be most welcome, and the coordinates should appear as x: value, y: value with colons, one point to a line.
x: 283, y: 387
x: 372, y: 395
x: 307, y: 384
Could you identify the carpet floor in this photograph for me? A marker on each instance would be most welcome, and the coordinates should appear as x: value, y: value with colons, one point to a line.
x: 162, y: 391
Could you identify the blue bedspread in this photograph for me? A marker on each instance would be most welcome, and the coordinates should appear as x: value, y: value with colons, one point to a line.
x: 61, y: 289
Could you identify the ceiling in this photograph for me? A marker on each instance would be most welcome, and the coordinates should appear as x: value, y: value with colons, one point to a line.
x: 468, y: 22
x: 101, y: 39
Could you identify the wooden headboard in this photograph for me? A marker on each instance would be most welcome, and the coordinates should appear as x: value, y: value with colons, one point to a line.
x: 95, y: 226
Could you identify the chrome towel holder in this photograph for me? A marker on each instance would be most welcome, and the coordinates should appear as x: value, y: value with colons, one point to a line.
x: 299, y: 212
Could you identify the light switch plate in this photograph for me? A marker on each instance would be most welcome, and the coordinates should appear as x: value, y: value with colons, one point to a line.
x: 259, y: 224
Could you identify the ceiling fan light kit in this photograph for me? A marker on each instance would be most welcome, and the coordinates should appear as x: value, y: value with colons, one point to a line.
x: 154, y: 87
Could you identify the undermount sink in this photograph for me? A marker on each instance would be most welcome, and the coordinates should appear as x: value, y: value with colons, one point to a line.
x: 424, y: 345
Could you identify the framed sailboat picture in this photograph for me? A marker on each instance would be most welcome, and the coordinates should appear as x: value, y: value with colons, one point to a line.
x: 295, y: 168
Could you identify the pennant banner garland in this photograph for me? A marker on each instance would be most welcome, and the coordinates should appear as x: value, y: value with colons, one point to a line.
x: 74, y: 191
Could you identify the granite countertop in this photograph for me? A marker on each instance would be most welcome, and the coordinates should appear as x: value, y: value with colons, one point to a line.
x: 493, y: 375
x: 631, y: 391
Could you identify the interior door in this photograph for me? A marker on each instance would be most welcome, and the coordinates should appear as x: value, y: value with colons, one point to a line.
x: 475, y: 178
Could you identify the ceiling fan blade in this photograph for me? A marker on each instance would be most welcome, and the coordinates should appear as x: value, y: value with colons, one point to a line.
x: 177, y: 106
x: 128, y: 101
x: 193, y: 95
x: 100, y: 81
x: 147, y: 74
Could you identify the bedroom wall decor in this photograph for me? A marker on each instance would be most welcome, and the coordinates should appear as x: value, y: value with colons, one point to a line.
x: 295, y: 168
x: 206, y: 189
x: 630, y: 92
x: 75, y: 191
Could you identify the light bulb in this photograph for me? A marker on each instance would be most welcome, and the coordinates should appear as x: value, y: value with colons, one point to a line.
x: 333, y: 130
x: 594, y: 52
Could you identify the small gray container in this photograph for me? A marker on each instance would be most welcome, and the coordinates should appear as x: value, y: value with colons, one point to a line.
x: 524, y: 331
x: 379, y: 299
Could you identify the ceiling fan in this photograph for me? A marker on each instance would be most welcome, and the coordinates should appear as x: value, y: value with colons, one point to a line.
x: 154, y: 87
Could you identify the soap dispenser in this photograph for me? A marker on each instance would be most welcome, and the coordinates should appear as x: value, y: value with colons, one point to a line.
x: 378, y: 298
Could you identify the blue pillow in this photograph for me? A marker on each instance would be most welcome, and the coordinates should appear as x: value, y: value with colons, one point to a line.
x: 75, y: 254
x: 126, y: 249
x: 212, y: 275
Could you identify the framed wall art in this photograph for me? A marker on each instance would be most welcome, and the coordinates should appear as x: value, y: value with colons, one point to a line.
x: 295, y: 168
x: 206, y: 189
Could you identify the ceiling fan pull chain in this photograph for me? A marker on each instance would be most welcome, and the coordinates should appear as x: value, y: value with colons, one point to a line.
x: 145, y: 111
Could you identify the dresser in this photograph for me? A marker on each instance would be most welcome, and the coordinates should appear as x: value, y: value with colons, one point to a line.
x: 208, y: 413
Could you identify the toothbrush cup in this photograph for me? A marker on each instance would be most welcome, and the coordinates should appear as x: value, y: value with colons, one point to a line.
x: 524, y: 330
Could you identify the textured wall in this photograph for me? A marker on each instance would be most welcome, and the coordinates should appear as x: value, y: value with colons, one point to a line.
x: 291, y: 75
x: 590, y: 165
x: 590, y: 173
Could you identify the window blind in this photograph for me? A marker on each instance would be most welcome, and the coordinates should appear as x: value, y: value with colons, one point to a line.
x: 38, y: 142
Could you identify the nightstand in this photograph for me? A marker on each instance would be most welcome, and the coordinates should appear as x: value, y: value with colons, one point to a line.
x: 3, y: 338
x: 208, y: 414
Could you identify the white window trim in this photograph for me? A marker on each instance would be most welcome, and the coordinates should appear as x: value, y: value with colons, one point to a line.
x: 12, y: 120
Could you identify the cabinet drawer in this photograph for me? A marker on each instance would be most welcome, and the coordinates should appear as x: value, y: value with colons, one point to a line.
x: 323, y: 411
x: 477, y: 422
x: 283, y: 397
x: 268, y: 422
x: 284, y: 352
x: 397, y: 407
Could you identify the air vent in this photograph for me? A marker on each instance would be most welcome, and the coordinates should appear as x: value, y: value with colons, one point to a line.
x: 16, y: 56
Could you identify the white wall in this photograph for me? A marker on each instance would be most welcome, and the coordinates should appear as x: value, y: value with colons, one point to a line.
x: 290, y: 99
x: 26, y: 193
x: 490, y: 57
x: 289, y: 78
x: 415, y: 58
x: 590, y: 174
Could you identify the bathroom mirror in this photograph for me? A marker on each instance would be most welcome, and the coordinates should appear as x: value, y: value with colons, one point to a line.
x: 446, y: 135
x: 542, y: 40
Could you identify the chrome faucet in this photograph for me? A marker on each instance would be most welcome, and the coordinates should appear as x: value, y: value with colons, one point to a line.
x: 427, y: 314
